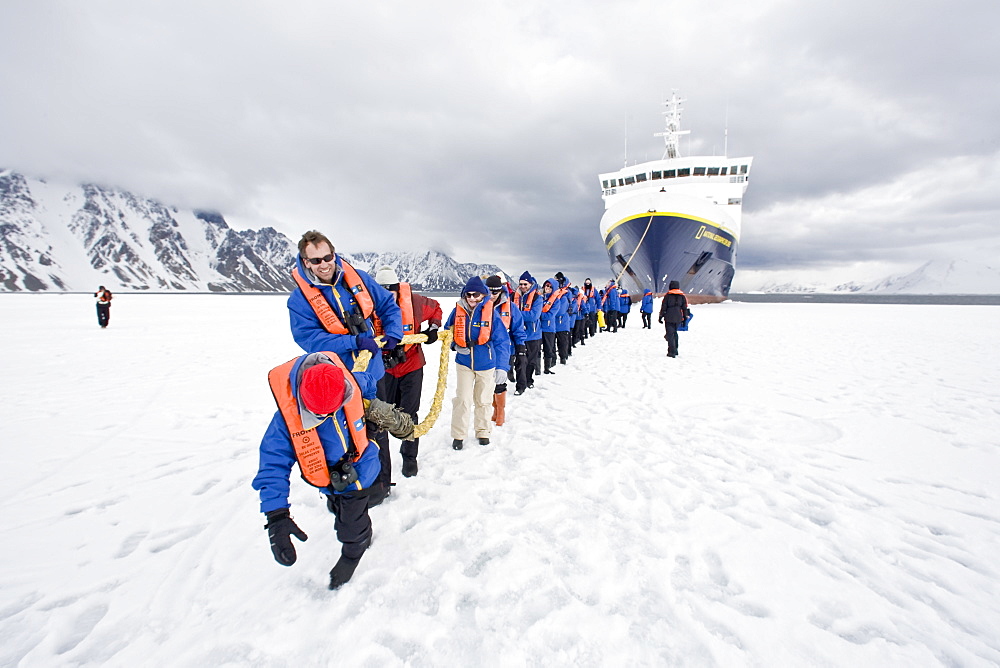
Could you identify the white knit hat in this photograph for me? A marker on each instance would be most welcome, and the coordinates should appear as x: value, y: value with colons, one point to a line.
x: 386, y: 276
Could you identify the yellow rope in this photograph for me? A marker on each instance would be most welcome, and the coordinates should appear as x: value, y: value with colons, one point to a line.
x: 444, y: 338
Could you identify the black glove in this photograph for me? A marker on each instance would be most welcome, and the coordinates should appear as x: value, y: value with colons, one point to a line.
x: 280, y: 528
x: 661, y: 319
x: 521, y: 349
x: 500, y: 389
x: 431, y: 334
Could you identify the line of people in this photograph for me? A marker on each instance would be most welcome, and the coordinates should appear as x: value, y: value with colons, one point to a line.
x: 334, y: 422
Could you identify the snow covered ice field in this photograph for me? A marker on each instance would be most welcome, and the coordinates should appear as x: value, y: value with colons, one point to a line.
x: 806, y: 485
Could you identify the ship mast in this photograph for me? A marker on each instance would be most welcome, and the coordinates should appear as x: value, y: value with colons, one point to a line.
x: 671, y: 136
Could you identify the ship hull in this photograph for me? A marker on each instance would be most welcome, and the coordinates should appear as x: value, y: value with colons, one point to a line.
x: 651, y: 249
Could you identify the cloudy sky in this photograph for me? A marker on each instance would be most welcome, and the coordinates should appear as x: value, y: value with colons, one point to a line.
x: 479, y: 128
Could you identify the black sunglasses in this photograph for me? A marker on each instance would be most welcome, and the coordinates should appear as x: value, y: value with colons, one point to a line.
x: 496, y: 290
x: 318, y: 260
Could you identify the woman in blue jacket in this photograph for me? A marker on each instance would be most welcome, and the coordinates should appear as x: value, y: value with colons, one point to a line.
x: 482, y: 347
x: 552, y: 307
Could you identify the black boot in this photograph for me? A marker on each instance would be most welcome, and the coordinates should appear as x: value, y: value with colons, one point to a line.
x: 342, y: 571
x: 409, y: 466
x: 457, y: 444
x: 484, y: 441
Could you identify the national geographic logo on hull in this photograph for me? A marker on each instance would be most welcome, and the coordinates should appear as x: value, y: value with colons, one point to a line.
x: 615, y: 239
x: 703, y: 233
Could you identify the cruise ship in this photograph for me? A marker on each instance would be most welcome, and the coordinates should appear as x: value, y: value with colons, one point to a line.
x: 675, y: 219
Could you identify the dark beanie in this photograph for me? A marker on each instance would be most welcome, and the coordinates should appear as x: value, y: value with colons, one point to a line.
x: 494, y: 282
x: 475, y: 284
x: 527, y: 277
x: 675, y: 285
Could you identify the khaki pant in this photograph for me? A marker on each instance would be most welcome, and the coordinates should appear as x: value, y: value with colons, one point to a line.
x: 473, y: 392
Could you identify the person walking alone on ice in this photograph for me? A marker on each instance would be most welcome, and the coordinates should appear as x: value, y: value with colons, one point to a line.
x: 337, y: 307
x: 646, y: 309
x: 479, y: 341
x: 323, y: 424
x: 404, y: 366
x: 673, y: 311
x: 103, y: 296
x: 529, y: 303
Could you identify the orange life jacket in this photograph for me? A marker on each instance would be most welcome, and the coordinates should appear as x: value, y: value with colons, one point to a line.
x: 553, y: 297
x: 308, y: 449
x: 461, y: 326
x: 505, y: 314
x: 526, y: 304
x: 327, y: 316
x: 404, y: 299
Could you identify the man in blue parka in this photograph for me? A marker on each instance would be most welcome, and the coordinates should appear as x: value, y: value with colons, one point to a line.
x: 322, y: 424
x: 338, y: 308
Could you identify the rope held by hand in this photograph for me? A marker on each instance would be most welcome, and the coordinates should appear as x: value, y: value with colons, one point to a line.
x: 444, y: 336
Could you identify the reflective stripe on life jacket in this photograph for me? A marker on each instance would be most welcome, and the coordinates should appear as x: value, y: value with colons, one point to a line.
x: 462, y: 325
x: 321, y: 307
x: 308, y: 448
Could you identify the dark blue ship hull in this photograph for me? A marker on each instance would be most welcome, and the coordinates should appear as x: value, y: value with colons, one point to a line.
x: 654, y: 249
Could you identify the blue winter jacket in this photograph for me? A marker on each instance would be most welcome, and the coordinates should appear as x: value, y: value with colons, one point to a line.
x: 624, y: 301
x: 532, y: 329
x: 277, y: 455
x: 647, y: 302
x: 495, y: 353
x: 309, y: 332
x: 548, y: 320
x: 517, y: 332
x: 612, y: 299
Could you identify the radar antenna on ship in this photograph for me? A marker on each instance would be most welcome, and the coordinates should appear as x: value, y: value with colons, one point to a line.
x: 671, y: 136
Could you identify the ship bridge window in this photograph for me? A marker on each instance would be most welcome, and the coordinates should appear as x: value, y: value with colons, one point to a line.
x: 606, y: 183
x: 657, y: 175
x: 723, y: 171
x: 629, y: 180
x: 743, y: 169
x: 640, y: 177
x: 713, y: 171
x: 669, y: 173
x: 621, y: 182
x: 684, y: 172
x: 699, y: 171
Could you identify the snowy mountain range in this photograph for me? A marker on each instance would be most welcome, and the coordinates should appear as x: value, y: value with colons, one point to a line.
x: 935, y: 277
x: 74, y: 238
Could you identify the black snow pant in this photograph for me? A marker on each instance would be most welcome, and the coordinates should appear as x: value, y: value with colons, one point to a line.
x: 592, y: 323
x: 579, y: 331
x: 647, y: 321
x: 103, y: 314
x: 562, y: 343
x: 549, y: 349
x: 622, y: 317
x: 671, y: 337
x: 353, y: 525
x: 527, y: 364
x: 405, y: 393
x: 611, y: 319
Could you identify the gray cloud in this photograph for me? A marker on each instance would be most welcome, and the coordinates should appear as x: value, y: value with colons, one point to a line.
x: 481, y: 128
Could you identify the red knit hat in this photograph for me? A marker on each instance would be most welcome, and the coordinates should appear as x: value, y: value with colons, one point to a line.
x: 322, y: 389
